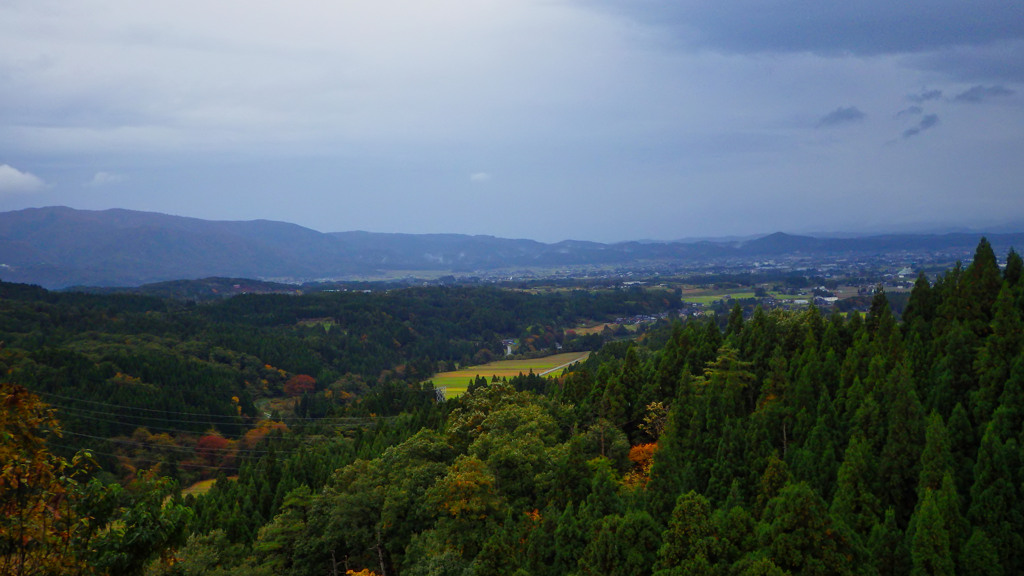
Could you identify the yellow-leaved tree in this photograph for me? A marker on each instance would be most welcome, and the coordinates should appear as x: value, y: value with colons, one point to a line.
x: 54, y: 520
x: 38, y: 524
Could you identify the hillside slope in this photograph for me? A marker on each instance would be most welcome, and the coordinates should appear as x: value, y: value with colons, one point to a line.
x: 58, y: 247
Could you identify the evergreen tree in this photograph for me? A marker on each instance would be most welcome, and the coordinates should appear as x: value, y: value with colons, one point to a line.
x: 775, y: 415
x: 997, y: 354
x: 856, y: 503
x: 734, y: 327
x: 541, y: 548
x: 1014, y: 268
x: 758, y: 342
x: 898, y: 466
x: 979, y: 557
x: 921, y: 309
x: 930, y: 547
x: 671, y: 364
x: 879, y: 321
x: 995, y: 500
x: 886, y: 547
x: 603, y: 500
x: 1009, y: 416
x: 801, y: 537
x: 503, y: 553
x: 672, y: 470
x: 963, y: 447
x: 635, y: 394
x: 728, y: 466
x: 982, y: 282
x: 805, y: 394
x: 729, y: 386
x: 936, y: 459
x: 275, y: 543
x: 948, y: 292
x: 816, y: 462
x: 622, y: 545
x: 953, y: 376
x: 614, y: 403
x: 690, y: 544
x: 570, y: 540
x: 776, y: 476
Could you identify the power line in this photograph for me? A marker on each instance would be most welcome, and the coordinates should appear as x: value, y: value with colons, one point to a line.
x: 149, y: 421
x: 124, y: 407
x: 85, y: 415
x: 111, y: 455
x: 192, y: 450
x: 74, y: 410
x: 140, y: 421
x: 204, y: 415
x: 291, y: 437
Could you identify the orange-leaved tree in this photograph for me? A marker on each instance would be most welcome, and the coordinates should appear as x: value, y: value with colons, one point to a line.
x: 299, y: 384
x: 39, y: 527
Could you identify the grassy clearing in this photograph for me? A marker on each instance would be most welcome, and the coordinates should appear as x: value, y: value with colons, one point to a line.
x: 456, y: 381
x: 199, y: 488
x: 586, y: 330
x: 595, y: 329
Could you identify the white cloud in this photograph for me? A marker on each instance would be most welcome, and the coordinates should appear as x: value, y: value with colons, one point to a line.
x: 105, y: 179
x: 480, y: 177
x: 14, y: 181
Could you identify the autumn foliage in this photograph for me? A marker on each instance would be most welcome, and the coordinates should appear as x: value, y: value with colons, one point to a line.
x: 260, y: 431
x: 53, y: 520
x: 215, y: 450
x: 642, y: 456
x: 34, y: 514
x: 299, y: 384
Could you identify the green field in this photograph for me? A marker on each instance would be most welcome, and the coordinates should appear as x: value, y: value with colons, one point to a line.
x: 708, y: 298
x: 780, y: 296
x: 456, y: 381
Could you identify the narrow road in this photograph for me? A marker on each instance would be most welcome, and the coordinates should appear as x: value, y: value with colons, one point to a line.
x: 582, y: 357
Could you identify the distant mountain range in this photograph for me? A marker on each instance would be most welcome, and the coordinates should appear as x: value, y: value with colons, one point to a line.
x: 58, y: 247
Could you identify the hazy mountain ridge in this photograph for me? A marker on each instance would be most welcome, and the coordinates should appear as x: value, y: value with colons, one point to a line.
x: 58, y: 247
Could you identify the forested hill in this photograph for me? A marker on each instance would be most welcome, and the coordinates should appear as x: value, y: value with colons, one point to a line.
x: 789, y: 443
x: 218, y: 362
x: 58, y: 247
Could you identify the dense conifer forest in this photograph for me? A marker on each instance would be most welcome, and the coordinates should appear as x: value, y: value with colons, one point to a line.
x: 786, y: 443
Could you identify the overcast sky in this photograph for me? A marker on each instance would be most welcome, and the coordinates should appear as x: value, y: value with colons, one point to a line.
x: 546, y: 119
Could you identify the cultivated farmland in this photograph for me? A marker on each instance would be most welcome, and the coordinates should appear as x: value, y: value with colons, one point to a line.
x: 455, y: 382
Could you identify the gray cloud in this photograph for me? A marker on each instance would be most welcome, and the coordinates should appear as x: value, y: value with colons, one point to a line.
x: 966, y: 41
x: 978, y: 93
x: 927, y: 122
x: 910, y: 111
x: 868, y: 27
x: 1001, y: 61
x: 377, y: 115
x: 925, y: 96
x: 842, y: 115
